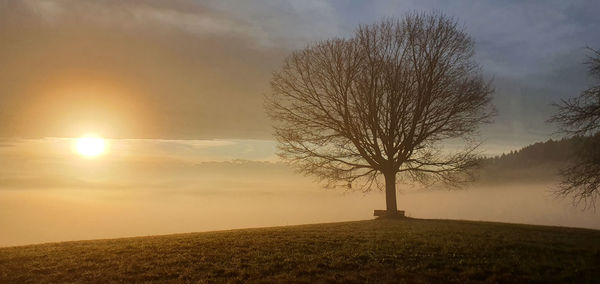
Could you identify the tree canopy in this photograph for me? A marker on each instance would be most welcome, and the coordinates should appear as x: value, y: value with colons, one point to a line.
x: 349, y: 110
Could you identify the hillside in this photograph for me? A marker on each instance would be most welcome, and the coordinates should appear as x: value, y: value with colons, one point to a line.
x: 535, y: 162
x: 410, y: 250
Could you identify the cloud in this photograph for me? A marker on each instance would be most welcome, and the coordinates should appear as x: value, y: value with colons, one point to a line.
x: 187, y: 69
x: 53, y: 183
x: 532, y: 49
x: 170, y: 177
x: 265, y: 23
x: 291, y: 24
x: 128, y: 69
x: 6, y: 143
x: 174, y: 15
x: 48, y: 9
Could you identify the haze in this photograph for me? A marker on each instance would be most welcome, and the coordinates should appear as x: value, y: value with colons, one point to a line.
x: 177, y: 88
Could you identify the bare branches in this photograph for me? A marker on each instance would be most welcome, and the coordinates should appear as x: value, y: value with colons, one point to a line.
x: 581, y: 180
x: 580, y: 116
x: 348, y: 109
x: 432, y: 165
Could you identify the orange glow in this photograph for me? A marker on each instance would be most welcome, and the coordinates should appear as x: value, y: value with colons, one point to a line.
x: 90, y: 146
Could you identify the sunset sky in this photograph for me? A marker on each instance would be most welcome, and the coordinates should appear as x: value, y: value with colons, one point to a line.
x: 178, y: 89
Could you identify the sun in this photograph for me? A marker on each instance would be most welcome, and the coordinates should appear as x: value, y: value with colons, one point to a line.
x: 90, y: 146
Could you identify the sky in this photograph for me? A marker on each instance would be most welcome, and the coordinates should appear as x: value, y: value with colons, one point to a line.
x: 199, y: 69
x: 178, y: 88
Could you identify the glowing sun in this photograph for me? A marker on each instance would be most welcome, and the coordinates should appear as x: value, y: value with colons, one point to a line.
x: 90, y: 146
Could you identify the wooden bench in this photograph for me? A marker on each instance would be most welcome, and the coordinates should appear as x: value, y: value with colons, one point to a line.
x: 381, y: 213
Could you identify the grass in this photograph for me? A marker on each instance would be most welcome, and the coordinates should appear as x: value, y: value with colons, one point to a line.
x: 408, y: 250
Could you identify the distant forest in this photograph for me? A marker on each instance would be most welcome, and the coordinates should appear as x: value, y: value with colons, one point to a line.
x: 538, y: 161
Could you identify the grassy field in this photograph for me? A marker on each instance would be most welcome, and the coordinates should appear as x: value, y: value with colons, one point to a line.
x: 409, y: 250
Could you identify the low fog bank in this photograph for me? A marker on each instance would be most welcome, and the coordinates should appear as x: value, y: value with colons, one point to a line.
x: 49, y: 194
x: 229, y: 195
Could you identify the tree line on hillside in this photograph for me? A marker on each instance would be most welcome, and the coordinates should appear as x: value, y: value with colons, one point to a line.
x: 550, y: 151
x: 538, y: 162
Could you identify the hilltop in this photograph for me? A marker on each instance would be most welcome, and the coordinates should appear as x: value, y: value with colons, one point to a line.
x: 411, y: 250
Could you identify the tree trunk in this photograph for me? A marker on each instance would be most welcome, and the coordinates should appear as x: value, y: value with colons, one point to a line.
x: 390, y: 193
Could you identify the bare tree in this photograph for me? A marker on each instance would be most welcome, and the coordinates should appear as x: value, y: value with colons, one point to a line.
x: 580, y: 116
x: 380, y: 103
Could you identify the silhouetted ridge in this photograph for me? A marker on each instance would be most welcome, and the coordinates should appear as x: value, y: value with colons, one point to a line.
x: 535, y: 161
x: 549, y: 151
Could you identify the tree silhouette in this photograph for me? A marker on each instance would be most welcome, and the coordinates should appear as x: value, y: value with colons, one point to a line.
x: 580, y: 116
x: 379, y: 104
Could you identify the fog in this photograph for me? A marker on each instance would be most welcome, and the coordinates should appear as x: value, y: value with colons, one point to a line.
x: 49, y: 194
x: 35, y: 216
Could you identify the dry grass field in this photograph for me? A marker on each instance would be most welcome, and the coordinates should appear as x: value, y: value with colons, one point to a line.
x: 409, y: 250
